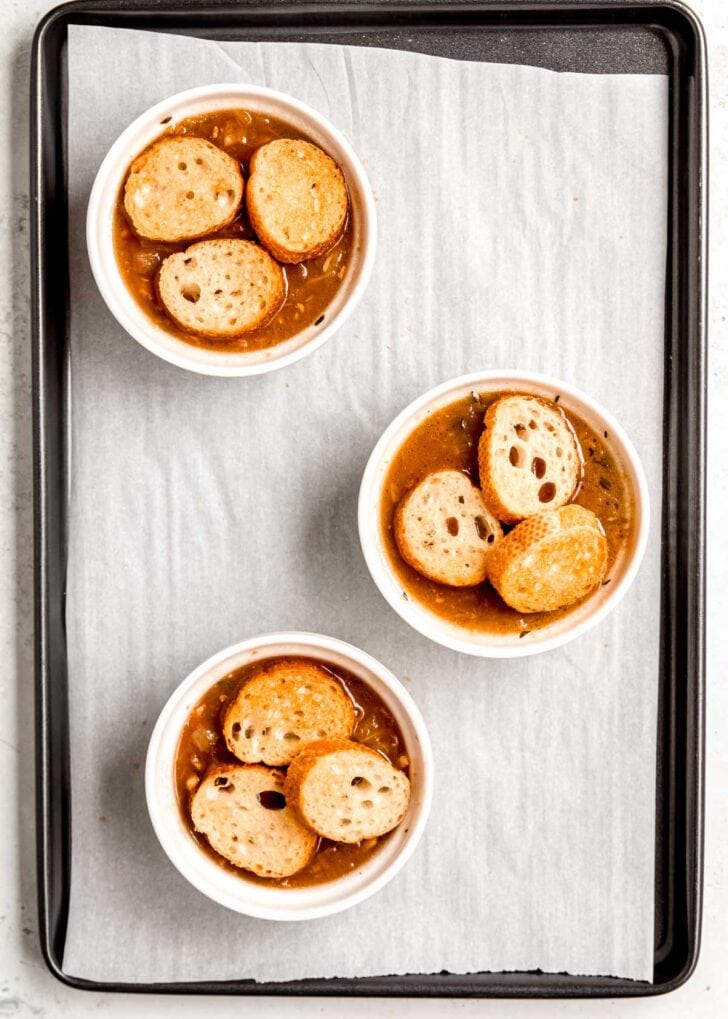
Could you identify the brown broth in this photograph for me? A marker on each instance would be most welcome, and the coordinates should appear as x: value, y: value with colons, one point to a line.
x: 201, y: 746
x: 310, y: 286
x: 449, y: 438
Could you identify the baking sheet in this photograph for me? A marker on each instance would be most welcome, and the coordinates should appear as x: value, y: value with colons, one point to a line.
x: 522, y: 223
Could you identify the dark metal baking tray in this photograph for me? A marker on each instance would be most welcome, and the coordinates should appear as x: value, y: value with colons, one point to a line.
x: 604, y: 37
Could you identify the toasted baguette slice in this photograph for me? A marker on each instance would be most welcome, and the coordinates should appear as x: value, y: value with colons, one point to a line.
x: 221, y: 288
x: 445, y: 531
x: 242, y: 811
x: 182, y: 188
x: 283, y: 707
x: 346, y: 791
x: 296, y: 199
x: 550, y: 560
x: 528, y: 457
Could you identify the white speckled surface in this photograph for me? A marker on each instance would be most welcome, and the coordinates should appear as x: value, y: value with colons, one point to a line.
x: 26, y: 988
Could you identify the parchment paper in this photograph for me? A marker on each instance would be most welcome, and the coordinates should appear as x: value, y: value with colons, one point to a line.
x: 522, y: 224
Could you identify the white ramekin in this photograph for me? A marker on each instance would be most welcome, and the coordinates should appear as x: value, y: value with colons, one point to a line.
x: 459, y: 638
x: 100, y: 217
x: 250, y: 897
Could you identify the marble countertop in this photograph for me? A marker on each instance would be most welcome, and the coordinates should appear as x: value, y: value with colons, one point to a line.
x: 26, y: 987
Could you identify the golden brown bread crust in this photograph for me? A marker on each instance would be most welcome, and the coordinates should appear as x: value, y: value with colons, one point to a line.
x: 296, y: 199
x: 221, y: 288
x: 282, y: 708
x: 550, y: 560
x: 545, y: 454
x: 346, y: 791
x: 444, y: 530
x: 241, y: 810
x: 182, y: 188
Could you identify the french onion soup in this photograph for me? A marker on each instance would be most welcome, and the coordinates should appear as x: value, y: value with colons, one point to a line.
x: 232, y: 231
x: 503, y: 512
x: 291, y: 771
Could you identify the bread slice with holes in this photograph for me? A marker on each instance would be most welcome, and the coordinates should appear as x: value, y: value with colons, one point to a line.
x: 445, y: 531
x: 296, y: 199
x: 550, y: 560
x: 182, y: 188
x: 345, y: 791
x: 221, y: 288
x: 284, y: 706
x: 242, y: 812
x: 528, y: 458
